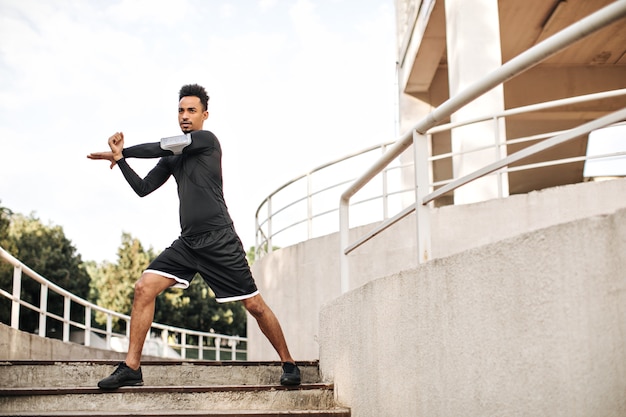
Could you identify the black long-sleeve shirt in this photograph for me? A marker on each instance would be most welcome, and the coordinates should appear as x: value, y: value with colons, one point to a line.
x: 198, y: 173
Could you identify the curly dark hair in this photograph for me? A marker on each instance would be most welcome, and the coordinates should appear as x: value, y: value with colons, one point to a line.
x: 197, y: 91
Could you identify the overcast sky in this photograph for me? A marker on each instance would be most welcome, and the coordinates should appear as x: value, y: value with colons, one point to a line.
x: 293, y: 84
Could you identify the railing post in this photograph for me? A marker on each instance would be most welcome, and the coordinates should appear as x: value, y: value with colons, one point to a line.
x: 256, y: 237
x: 269, y: 226
x: 422, y: 188
x: 66, y: 318
x: 109, y: 333
x: 218, y: 346
x: 200, y: 349
x: 17, y: 290
x: 385, y: 190
x: 87, y: 326
x: 233, y: 350
x: 183, y: 345
x: 344, y: 240
x: 500, y: 134
x: 309, y: 206
x: 43, y: 309
x: 165, y: 337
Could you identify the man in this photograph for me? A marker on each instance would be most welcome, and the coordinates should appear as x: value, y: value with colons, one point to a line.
x: 208, y: 243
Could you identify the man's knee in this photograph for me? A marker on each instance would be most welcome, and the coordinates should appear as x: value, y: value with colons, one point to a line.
x: 150, y: 285
x: 255, y: 305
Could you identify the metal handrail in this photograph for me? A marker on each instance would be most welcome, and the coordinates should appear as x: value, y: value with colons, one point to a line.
x: 264, y: 239
x: 531, y: 108
x: 165, y: 330
x: 451, y: 185
x: 416, y: 135
x: 529, y: 151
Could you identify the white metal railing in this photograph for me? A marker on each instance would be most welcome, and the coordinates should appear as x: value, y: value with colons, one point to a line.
x: 188, y: 343
x: 418, y: 137
x: 310, y: 197
x: 329, y: 192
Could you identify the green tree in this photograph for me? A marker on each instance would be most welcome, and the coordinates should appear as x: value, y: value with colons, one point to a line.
x: 5, y: 222
x: 112, y: 285
x: 251, y: 253
x: 46, y: 250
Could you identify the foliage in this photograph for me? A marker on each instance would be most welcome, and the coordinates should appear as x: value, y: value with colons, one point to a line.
x: 5, y: 222
x: 46, y: 250
x: 251, y: 254
x: 112, y: 285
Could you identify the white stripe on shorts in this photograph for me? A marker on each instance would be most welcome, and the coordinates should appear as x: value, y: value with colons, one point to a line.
x: 236, y: 298
x: 180, y: 283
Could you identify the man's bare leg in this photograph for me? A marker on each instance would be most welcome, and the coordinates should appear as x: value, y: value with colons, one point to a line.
x: 147, y: 288
x: 269, y: 325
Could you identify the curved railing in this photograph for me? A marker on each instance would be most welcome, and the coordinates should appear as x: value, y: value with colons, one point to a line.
x: 292, y: 209
x: 301, y: 209
x: 163, y: 340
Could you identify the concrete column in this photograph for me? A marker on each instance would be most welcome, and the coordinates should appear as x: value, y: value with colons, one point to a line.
x: 473, y: 47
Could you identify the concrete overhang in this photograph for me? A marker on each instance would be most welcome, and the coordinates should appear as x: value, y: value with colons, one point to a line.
x: 523, y: 24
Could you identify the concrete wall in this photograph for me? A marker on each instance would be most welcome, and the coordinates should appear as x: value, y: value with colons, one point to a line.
x: 534, y: 325
x: 16, y: 345
x: 297, y: 281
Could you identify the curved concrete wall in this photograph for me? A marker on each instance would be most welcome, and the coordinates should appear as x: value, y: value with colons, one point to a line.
x: 298, y: 280
x: 534, y: 325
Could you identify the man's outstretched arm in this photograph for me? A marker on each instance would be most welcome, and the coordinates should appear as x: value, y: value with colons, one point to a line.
x: 116, y: 143
x: 199, y: 141
x: 142, y: 186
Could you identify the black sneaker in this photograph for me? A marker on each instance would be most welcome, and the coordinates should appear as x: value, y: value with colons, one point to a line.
x: 291, y: 374
x: 122, y: 376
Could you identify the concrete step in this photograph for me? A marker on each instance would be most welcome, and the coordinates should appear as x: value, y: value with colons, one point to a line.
x: 130, y: 400
x: 192, y: 413
x: 172, y: 388
x: 15, y: 374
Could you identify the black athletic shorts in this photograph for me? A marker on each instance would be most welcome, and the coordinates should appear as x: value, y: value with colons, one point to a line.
x: 218, y: 256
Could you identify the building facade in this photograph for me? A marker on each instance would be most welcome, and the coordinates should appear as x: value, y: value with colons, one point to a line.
x: 444, y: 46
